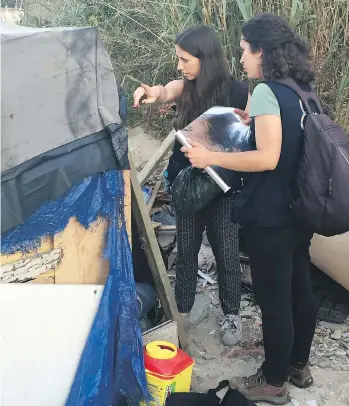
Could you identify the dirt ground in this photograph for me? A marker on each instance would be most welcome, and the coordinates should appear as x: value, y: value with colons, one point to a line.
x: 214, y: 362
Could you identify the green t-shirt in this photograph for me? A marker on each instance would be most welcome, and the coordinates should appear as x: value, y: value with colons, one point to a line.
x: 264, y: 102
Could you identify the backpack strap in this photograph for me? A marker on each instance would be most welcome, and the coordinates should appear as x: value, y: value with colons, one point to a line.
x: 305, y: 97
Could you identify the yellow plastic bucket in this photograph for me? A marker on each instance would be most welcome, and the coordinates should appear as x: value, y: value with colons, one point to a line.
x: 168, y: 370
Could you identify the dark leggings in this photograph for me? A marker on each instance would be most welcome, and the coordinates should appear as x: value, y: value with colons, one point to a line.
x: 280, y: 267
x: 223, y: 237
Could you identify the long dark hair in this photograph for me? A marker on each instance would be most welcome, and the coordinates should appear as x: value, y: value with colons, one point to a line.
x: 285, y: 54
x: 211, y: 87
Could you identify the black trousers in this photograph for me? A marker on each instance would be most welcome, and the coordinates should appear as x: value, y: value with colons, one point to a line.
x: 223, y: 237
x: 280, y: 267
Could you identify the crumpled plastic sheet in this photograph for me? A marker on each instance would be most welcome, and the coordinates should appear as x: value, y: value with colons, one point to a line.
x: 111, y: 366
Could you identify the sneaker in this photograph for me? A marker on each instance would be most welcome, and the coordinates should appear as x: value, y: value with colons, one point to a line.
x: 231, y: 329
x: 256, y: 389
x: 301, y: 377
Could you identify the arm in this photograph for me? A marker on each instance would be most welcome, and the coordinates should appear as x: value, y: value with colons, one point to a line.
x: 265, y: 158
x: 245, y: 114
x: 247, y: 108
x: 268, y: 132
x: 171, y: 92
x: 161, y: 94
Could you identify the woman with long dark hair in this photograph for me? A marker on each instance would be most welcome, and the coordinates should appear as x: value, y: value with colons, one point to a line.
x: 207, y: 82
x: 277, y: 242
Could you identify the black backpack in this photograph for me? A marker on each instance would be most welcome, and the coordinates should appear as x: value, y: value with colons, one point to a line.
x: 323, y: 174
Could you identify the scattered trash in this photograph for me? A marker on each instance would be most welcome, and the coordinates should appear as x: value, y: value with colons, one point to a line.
x: 166, y: 232
x: 165, y: 216
x: 206, y: 277
x: 337, y: 335
x: 146, y: 194
x: 214, y: 300
x: 311, y: 403
x: 331, y: 298
x: 206, y: 259
x: 247, y: 313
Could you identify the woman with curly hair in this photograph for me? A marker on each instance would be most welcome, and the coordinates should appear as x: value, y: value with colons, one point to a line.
x: 277, y: 243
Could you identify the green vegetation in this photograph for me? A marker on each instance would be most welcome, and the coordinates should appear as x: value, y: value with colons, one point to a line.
x: 140, y: 38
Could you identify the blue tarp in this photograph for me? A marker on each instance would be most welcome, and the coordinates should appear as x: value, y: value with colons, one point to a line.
x: 111, y: 366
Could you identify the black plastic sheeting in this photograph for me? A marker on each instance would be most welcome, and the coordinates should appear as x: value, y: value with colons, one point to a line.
x: 48, y: 176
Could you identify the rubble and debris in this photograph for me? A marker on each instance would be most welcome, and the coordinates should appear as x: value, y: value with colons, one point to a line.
x: 206, y: 260
x: 206, y: 277
x: 337, y: 335
x: 332, y: 299
x: 311, y: 403
x: 247, y: 313
x: 197, y: 315
x: 164, y: 215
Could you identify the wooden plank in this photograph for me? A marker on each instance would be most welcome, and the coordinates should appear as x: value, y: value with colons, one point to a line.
x: 82, y: 260
x: 47, y: 277
x: 153, y: 162
x: 46, y: 246
x: 30, y: 268
x: 153, y: 254
x: 153, y: 195
x: 164, y: 332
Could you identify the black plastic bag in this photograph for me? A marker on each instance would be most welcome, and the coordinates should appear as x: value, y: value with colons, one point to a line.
x: 192, y: 190
x: 193, y: 399
x: 231, y: 398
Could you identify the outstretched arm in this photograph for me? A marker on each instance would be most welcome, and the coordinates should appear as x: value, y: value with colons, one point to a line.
x: 161, y: 94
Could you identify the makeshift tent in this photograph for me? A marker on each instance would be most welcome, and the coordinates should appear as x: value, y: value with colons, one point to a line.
x: 64, y: 175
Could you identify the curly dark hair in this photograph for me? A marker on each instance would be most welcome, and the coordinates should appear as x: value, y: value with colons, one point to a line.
x: 285, y: 54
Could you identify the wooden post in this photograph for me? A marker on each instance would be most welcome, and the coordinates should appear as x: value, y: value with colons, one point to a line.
x: 153, y: 254
x: 153, y: 195
x: 153, y: 162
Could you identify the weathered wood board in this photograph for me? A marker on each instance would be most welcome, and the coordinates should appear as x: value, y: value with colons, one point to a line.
x: 74, y: 256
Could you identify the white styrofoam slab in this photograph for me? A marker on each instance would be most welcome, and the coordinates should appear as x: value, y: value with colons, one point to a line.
x: 43, y: 329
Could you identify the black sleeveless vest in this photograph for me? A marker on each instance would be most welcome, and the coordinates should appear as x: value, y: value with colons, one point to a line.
x: 266, y: 196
